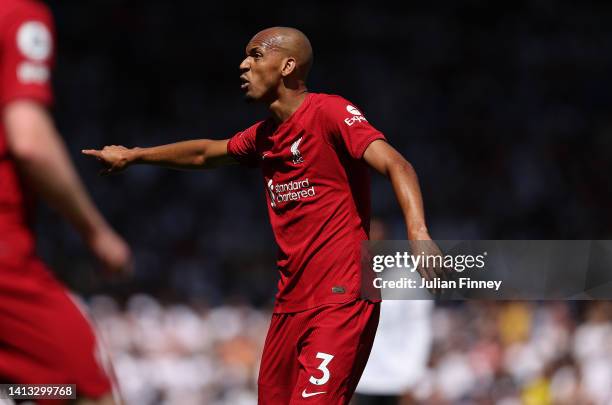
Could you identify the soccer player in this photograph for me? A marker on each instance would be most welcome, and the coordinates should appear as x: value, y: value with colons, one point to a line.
x: 44, y: 337
x: 314, y: 152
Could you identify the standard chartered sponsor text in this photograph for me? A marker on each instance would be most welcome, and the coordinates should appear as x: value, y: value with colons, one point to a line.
x: 293, y: 190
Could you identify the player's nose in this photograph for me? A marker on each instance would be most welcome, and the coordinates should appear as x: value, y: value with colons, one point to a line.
x: 244, y: 65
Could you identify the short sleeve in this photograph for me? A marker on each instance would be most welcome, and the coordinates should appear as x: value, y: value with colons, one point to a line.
x: 243, y: 146
x: 346, y: 125
x: 26, y: 54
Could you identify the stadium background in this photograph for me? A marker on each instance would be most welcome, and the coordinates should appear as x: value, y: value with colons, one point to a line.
x: 503, y: 110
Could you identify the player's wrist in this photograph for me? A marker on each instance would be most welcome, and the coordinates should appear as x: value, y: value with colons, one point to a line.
x: 418, y: 233
x: 134, y: 155
x: 92, y: 226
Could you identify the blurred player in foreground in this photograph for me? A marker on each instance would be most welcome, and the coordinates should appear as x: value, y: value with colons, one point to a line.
x: 398, y: 361
x: 314, y: 152
x: 44, y: 336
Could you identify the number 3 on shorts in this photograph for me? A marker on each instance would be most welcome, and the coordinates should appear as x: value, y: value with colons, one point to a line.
x: 323, y: 367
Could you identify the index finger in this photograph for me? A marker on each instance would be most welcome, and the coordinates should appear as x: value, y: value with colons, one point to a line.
x: 91, y: 152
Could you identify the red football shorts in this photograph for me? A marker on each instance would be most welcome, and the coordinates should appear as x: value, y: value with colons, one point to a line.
x: 44, y: 337
x: 317, y: 356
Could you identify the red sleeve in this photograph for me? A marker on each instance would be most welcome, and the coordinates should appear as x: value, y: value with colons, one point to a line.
x: 243, y: 147
x: 26, y: 54
x: 347, y: 126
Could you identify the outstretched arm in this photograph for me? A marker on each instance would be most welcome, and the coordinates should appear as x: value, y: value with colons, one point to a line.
x: 194, y: 154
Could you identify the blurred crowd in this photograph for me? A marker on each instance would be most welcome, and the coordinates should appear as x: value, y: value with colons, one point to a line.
x: 484, y: 353
x: 182, y: 354
x: 520, y: 353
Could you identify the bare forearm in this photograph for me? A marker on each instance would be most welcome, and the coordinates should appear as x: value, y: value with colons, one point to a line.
x: 406, y: 187
x: 46, y: 166
x: 383, y: 158
x: 180, y: 155
x: 194, y: 154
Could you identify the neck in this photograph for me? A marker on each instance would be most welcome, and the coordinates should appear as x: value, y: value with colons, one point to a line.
x: 286, y: 103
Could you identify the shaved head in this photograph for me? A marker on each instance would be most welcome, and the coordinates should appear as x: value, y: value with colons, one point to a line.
x: 289, y: 41
x: 276, y: 65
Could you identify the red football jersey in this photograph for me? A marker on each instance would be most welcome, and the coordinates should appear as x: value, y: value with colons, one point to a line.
x: 26, y: 55
x: 318, y: 191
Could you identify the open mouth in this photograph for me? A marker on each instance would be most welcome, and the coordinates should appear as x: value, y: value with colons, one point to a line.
x: 245, y: 83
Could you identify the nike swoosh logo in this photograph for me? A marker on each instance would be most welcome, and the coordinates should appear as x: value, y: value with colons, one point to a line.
x: 311, y: 394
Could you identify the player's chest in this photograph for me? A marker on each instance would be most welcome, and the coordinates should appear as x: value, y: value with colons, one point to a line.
x: 293, y: 153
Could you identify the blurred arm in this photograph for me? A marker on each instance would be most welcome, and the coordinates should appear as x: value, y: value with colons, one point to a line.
x: 43, y: 161
x: 389, y: 162
x: 193, y: 154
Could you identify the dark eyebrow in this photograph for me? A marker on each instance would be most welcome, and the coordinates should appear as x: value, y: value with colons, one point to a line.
x: 254, y: 49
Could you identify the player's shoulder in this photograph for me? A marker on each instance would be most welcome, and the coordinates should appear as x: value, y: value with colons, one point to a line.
x: 325, y: 100
x: 256, y: 129
x: 333, y: 103
x: 334, y: 107
x: 262, y: 125
x: 18, y: 9
x: 35, y: 18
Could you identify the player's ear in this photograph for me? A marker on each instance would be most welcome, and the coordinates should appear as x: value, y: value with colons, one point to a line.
x: 288, y: 66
